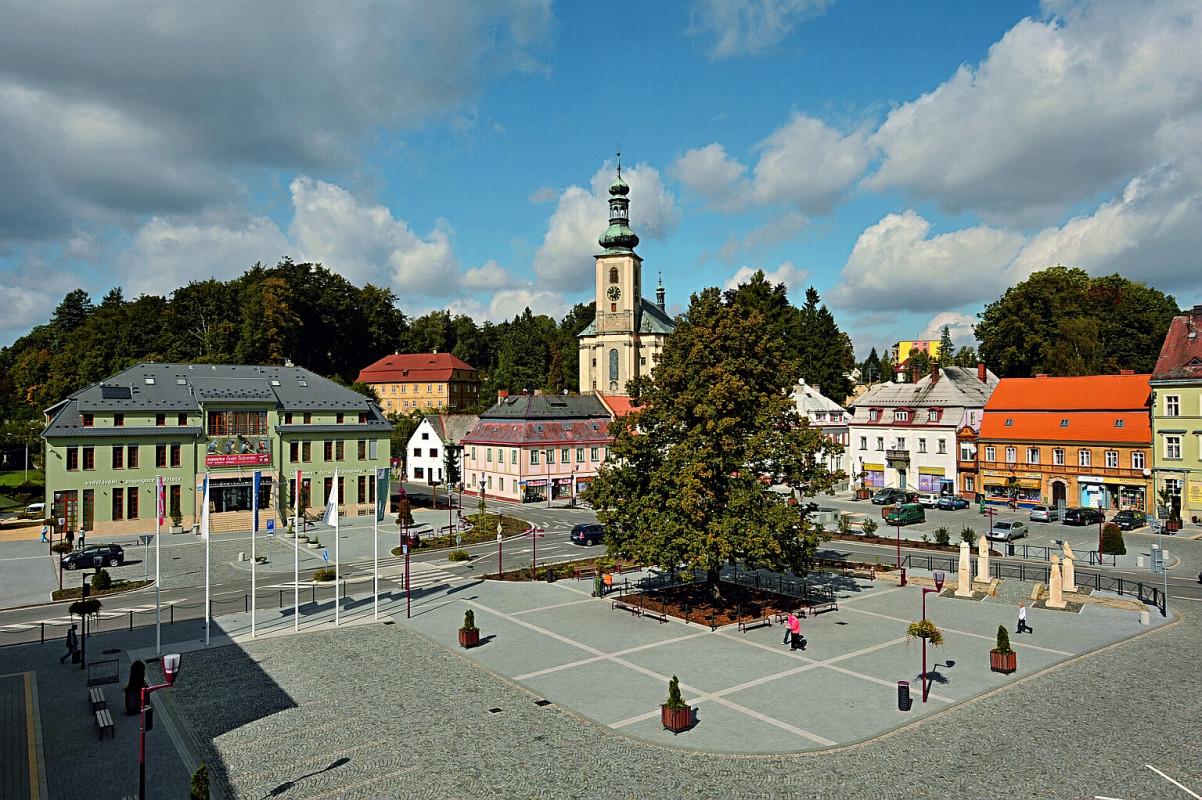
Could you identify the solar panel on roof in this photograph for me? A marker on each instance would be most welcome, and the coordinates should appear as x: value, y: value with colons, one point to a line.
x: 115, y: 393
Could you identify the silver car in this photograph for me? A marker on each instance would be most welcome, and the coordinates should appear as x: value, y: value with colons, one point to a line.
x: 1007, y: 530
x: 1045, y: 514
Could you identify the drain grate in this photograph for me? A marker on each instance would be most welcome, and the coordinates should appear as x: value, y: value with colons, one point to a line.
x: 494, y: 711
x: 542, y: 702
x: 390, y: 622
x: 840, y: 623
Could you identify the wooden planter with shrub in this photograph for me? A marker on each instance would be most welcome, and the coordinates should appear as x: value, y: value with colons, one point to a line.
x: 469, y: 634
x: 675, y: 715
x: 1002, y: 658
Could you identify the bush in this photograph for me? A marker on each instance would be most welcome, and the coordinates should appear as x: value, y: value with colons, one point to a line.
x: 458, y: 555
x: 675, y: 702
x: 469, y: 620
x: 101, y: 580
x: 943, y: 536
x: 199, y: 789
x: 176, y: 518
x: 844, y: 525
x: 324, y: 574
x: 61, y: 547
x: 1112, y: 540
x: 1003, y: 640
x: 969, y: 536
x: 869, y: 526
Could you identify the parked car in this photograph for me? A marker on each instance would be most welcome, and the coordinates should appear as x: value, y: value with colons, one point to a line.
x: 588, y: 535
x: 1007, y: 530
x: 885, y: 497
x: 1044, y: 513
x: 1129, y: 520
x: 112, y: 555
x: 906, y: 514
x: 1083, y: 516
x: 34, y: 511
x: 950, y: 502
x: 927, y: 499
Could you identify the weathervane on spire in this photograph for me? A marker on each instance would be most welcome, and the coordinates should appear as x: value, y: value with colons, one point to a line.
x: 619, y: 148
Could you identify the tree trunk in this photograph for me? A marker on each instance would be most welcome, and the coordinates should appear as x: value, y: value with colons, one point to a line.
x: 714, y: 585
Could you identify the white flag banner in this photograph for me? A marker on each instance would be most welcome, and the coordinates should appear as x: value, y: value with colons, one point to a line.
x: 204, y: 511
x: 331, y: 516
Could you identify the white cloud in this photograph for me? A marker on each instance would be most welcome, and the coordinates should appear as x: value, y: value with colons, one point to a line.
x: 791, y: 276
x: 714, y: 175
x: 489, y: 276
x: 1061, y: 109
x: 896, y: 265
x: 747, y: 27
x: 543, y: 194
x: 775, y: 230
x: 512, y: 302
x: 581, y: 216
x: 959, y: 325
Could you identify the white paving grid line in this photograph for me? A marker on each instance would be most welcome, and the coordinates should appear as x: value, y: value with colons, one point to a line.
x: 616, y: 653
x: 548, y: 608
x: 967, y: 633
x: 1175, y: 783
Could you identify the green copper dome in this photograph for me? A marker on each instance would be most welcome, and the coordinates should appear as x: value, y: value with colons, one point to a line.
x: 619, y: 187
x: 618, y: 236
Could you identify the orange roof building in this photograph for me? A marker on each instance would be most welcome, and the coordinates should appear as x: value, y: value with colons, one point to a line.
x: 407, y: 382
x: 1084, y: 440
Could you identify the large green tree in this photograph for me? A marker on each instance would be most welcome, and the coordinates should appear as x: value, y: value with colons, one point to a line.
x: 688, y: 476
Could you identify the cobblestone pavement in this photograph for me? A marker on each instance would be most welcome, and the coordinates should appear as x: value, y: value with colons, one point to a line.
x: 344, y: 714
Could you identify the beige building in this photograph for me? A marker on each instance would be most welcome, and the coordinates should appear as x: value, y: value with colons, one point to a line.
x: 407, y: 382
x: 626, y: 336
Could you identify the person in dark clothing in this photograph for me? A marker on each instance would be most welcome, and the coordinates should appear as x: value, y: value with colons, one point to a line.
x: 72, y: 645
x: 70, y: 538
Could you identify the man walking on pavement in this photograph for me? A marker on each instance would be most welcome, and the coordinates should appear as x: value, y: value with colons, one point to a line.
x: 1022, y: 620
x: 72, y: 646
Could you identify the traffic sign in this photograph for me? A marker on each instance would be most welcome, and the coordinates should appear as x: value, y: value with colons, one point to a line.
x: 534, y: 532
x: 146, y: 538
x: 271, y: 527
x: 325, y: 555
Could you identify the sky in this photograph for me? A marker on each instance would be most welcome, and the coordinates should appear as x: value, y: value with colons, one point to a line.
x: 908, y: 160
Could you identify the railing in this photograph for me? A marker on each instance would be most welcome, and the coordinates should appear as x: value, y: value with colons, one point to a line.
x: 1039, y: 553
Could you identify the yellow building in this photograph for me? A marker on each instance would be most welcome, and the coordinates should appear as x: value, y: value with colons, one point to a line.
x: 407, y: 382
x: 903, y: 349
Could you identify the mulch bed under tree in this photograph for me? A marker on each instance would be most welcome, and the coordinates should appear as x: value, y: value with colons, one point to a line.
x: 694, y: 603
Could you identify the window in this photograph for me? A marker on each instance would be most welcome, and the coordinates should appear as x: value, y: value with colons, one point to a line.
x: 1172, y: 405
x: 118, y: 503
x: 417, y: 453
x: 1084, y: 458
x: 131, y: 502
x: 89, y: 458
x: 173, y: 501
x: 534, y: 457
x: 288, y: 418
x: 338, y: 418
x: 339, y: 450
x: 593, y: 454
x: 990, y: 453
x: 550, y: 456
x: 901, y: 416
x: 434, y: 452
x: 970, y: 484
x: 118, y: 456
x: 564, y: 456
x: 613, y: 365
x: 362, y: 449
x: 160, y: 420
x: 72, y: 459
x: 1011, y: 455
x: 880, y: 443
x: 899, y: 443
x: 613, y: 274
x: 363, y: 419
x: 237, y: 423
x: 863, y: 442
x: 932, y: 415
x: 327, y: 453
x: 87, y: 420
x: 294, y: 451
x: 873, y: 415
x: 1032, y: 455
x: 1064, y: 423
x: 308, y: 418
x: 373, y: 450
x: 513, y: 456
x: 1118, y: 423
x: 176, y: 455
x: 943, y: 446
x: 1112, y: 458
x: 160, y: 455
x: 488, y: 454
x: 131, y: 456
x: 306, y: 452
x: 1009, y: 422
x: 361, y: 488
x: 1172, y: 448
x: 1137, y: 460
x: 181, y: 420
x: 579, y: 454
x: 118, y: 420
x: 1058, y: 456
x: 922, y: 445
x: 966, y: 451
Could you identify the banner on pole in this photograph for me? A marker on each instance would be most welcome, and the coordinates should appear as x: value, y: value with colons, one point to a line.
x: 331, y: 516
x: 381, y: 493
x: 204, y: 509
x: 159, y: 500
x: 254, y: 500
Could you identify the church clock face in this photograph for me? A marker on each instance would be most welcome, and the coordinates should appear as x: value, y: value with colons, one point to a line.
x: 613, y: 293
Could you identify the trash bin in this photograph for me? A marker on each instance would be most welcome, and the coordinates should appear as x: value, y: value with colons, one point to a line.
x: 903, y: 696
x: 1009, y: 548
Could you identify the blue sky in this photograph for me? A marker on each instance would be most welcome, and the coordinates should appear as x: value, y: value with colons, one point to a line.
x: 909, y: 160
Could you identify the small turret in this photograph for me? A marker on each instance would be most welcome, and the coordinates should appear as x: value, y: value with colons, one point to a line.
x: 660, y: 294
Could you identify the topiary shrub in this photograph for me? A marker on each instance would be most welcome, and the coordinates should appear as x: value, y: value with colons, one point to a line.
x: 458, y: 555
x: 324, y: 574
x: 869, y: 527
x: 943, y: 536
x: 199, y: 788
x: 1112, y: 540
x: 101, y: 580
x: 1003, y: 640
x: 968, y: 536
x: 675, y: 701
x: 469, y: 620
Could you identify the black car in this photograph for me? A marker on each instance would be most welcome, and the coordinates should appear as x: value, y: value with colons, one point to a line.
x: 886, y: 497
x: 1083, y: 516
x: 111, y: 556
x: 587, y: 534
x: 1129, y: 520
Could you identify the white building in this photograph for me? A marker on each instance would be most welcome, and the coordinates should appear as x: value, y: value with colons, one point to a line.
x: 903, y: 435
x: 824, y: 413
x: 424, y: 453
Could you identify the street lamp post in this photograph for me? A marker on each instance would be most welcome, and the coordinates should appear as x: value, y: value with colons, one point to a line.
x: 897, y: 519
x: 926, y: 684
x: 550, y: 455
x: 410, y: 541
x: 1101, y: 522
x: 171, y: 665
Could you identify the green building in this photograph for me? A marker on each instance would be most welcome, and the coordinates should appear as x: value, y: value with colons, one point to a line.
x: 107, y: 444
x: 1177, y: 419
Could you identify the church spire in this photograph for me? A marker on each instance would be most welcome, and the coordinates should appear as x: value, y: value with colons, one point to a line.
x: 618, y: 237
x: 660, y: 298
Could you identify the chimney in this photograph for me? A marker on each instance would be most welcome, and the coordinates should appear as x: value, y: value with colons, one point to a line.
x: 914, y: 376
x: 981, y: 372
x: 934, y: 372
x: 502, y: 394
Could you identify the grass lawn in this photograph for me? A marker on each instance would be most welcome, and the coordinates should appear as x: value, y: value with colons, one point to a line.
x: 484, y: 529
x: 117, y: 587
x: 13, y: 495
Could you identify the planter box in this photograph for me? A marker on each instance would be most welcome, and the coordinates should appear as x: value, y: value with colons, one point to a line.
x: 176, y: 529
x: 1172, y: 525
x: 1003, y: 662
x: 676, y: 720
x: 313, y: 545
x: 469, y: 638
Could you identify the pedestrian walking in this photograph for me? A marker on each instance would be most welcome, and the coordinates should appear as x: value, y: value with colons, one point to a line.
x: 70, y: 538
x: 1022, y: 620
x: 790, y: 621
x: 795, y: 640
x: 72, y: 646
x: 45, y: 532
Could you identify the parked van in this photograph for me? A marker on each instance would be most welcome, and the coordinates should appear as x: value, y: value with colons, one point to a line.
x: 34, y: 511
x: 906, y: 514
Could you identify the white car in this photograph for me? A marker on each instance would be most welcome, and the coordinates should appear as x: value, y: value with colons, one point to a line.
x: 1007, y: 530
x: 928, y: 499
x: 1045, y: 514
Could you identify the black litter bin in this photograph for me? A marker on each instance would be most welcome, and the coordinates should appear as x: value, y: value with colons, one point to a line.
x: 903, y: 696
x: 550, y: 575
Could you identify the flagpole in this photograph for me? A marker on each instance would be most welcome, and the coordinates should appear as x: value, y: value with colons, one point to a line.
x: 337, y: 579
x: 161, y: 503
x: 296, y: 532
x: 204, y: 531
x: 375, y: 544
x: 254, y: 527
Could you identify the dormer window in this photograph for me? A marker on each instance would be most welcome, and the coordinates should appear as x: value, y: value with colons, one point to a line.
x: 873, y: 415
x: 1118, y: 423
x: 1064, y: 423
x: 1009, y: 422
x: 901, y: 416
x: 933, y: 415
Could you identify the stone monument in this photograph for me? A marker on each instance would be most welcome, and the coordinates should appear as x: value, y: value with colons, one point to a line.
x: 1055, y: 598
x: 982, y: 560
x: 964, y: 572
x: 1068, y: 569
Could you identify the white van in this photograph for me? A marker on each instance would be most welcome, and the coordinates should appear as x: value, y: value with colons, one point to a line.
x: 34, y: 511
x: 928, y: 499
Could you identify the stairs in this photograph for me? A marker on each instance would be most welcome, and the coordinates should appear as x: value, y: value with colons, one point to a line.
x: 240, y: 521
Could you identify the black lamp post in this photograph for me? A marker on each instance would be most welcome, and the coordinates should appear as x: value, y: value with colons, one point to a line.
x: 926, y: 684
x: 83, y: 641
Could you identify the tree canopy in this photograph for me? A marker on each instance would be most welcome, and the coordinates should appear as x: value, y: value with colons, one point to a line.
x: 689, y: 474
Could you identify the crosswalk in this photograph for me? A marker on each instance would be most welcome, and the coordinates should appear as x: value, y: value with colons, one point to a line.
x: 421, y: 575
x: 67, y: 621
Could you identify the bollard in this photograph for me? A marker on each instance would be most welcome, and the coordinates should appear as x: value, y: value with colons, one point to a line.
x: 1145, y: 618
x: 131, y: 620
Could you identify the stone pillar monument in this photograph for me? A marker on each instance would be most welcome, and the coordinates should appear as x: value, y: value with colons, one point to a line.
x: 964, y: 572
x: 1068, y: 569
x: 1055, y: 598
x: 982, y: 560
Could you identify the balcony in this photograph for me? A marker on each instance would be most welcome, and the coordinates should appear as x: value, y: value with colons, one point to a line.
x: 898, y: 455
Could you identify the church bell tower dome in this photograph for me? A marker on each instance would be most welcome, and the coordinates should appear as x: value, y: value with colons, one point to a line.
x: 618, y: 237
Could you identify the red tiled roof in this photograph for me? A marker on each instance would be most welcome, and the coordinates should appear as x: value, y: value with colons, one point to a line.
x: 618, y: 405
x: 1084, y: 393
x: 1083, y: 426
x: 520, y: 433
x: 1180, y: 356
x: 413, y: 368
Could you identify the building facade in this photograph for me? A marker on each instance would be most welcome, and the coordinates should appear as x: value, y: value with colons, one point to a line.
x: 107, y: 444
x: 425, y: 452
x: 535, y: 448
x: 408, y: 382
x: 904, y: 435
x: 1176, y: 402
x: 828, y: 416
x: 1084, y: 440
x: 626, y: 336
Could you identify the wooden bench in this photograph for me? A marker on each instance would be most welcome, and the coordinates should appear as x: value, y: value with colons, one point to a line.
x: 658, y: 616
x: 96, y: 699
x: 105, y: 720
x: 748, y: 624
x: 824, y: 605
x: 865, y: 574
x: 624, y: 606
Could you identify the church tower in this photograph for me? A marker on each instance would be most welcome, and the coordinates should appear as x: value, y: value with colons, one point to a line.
x: 628, y: 332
